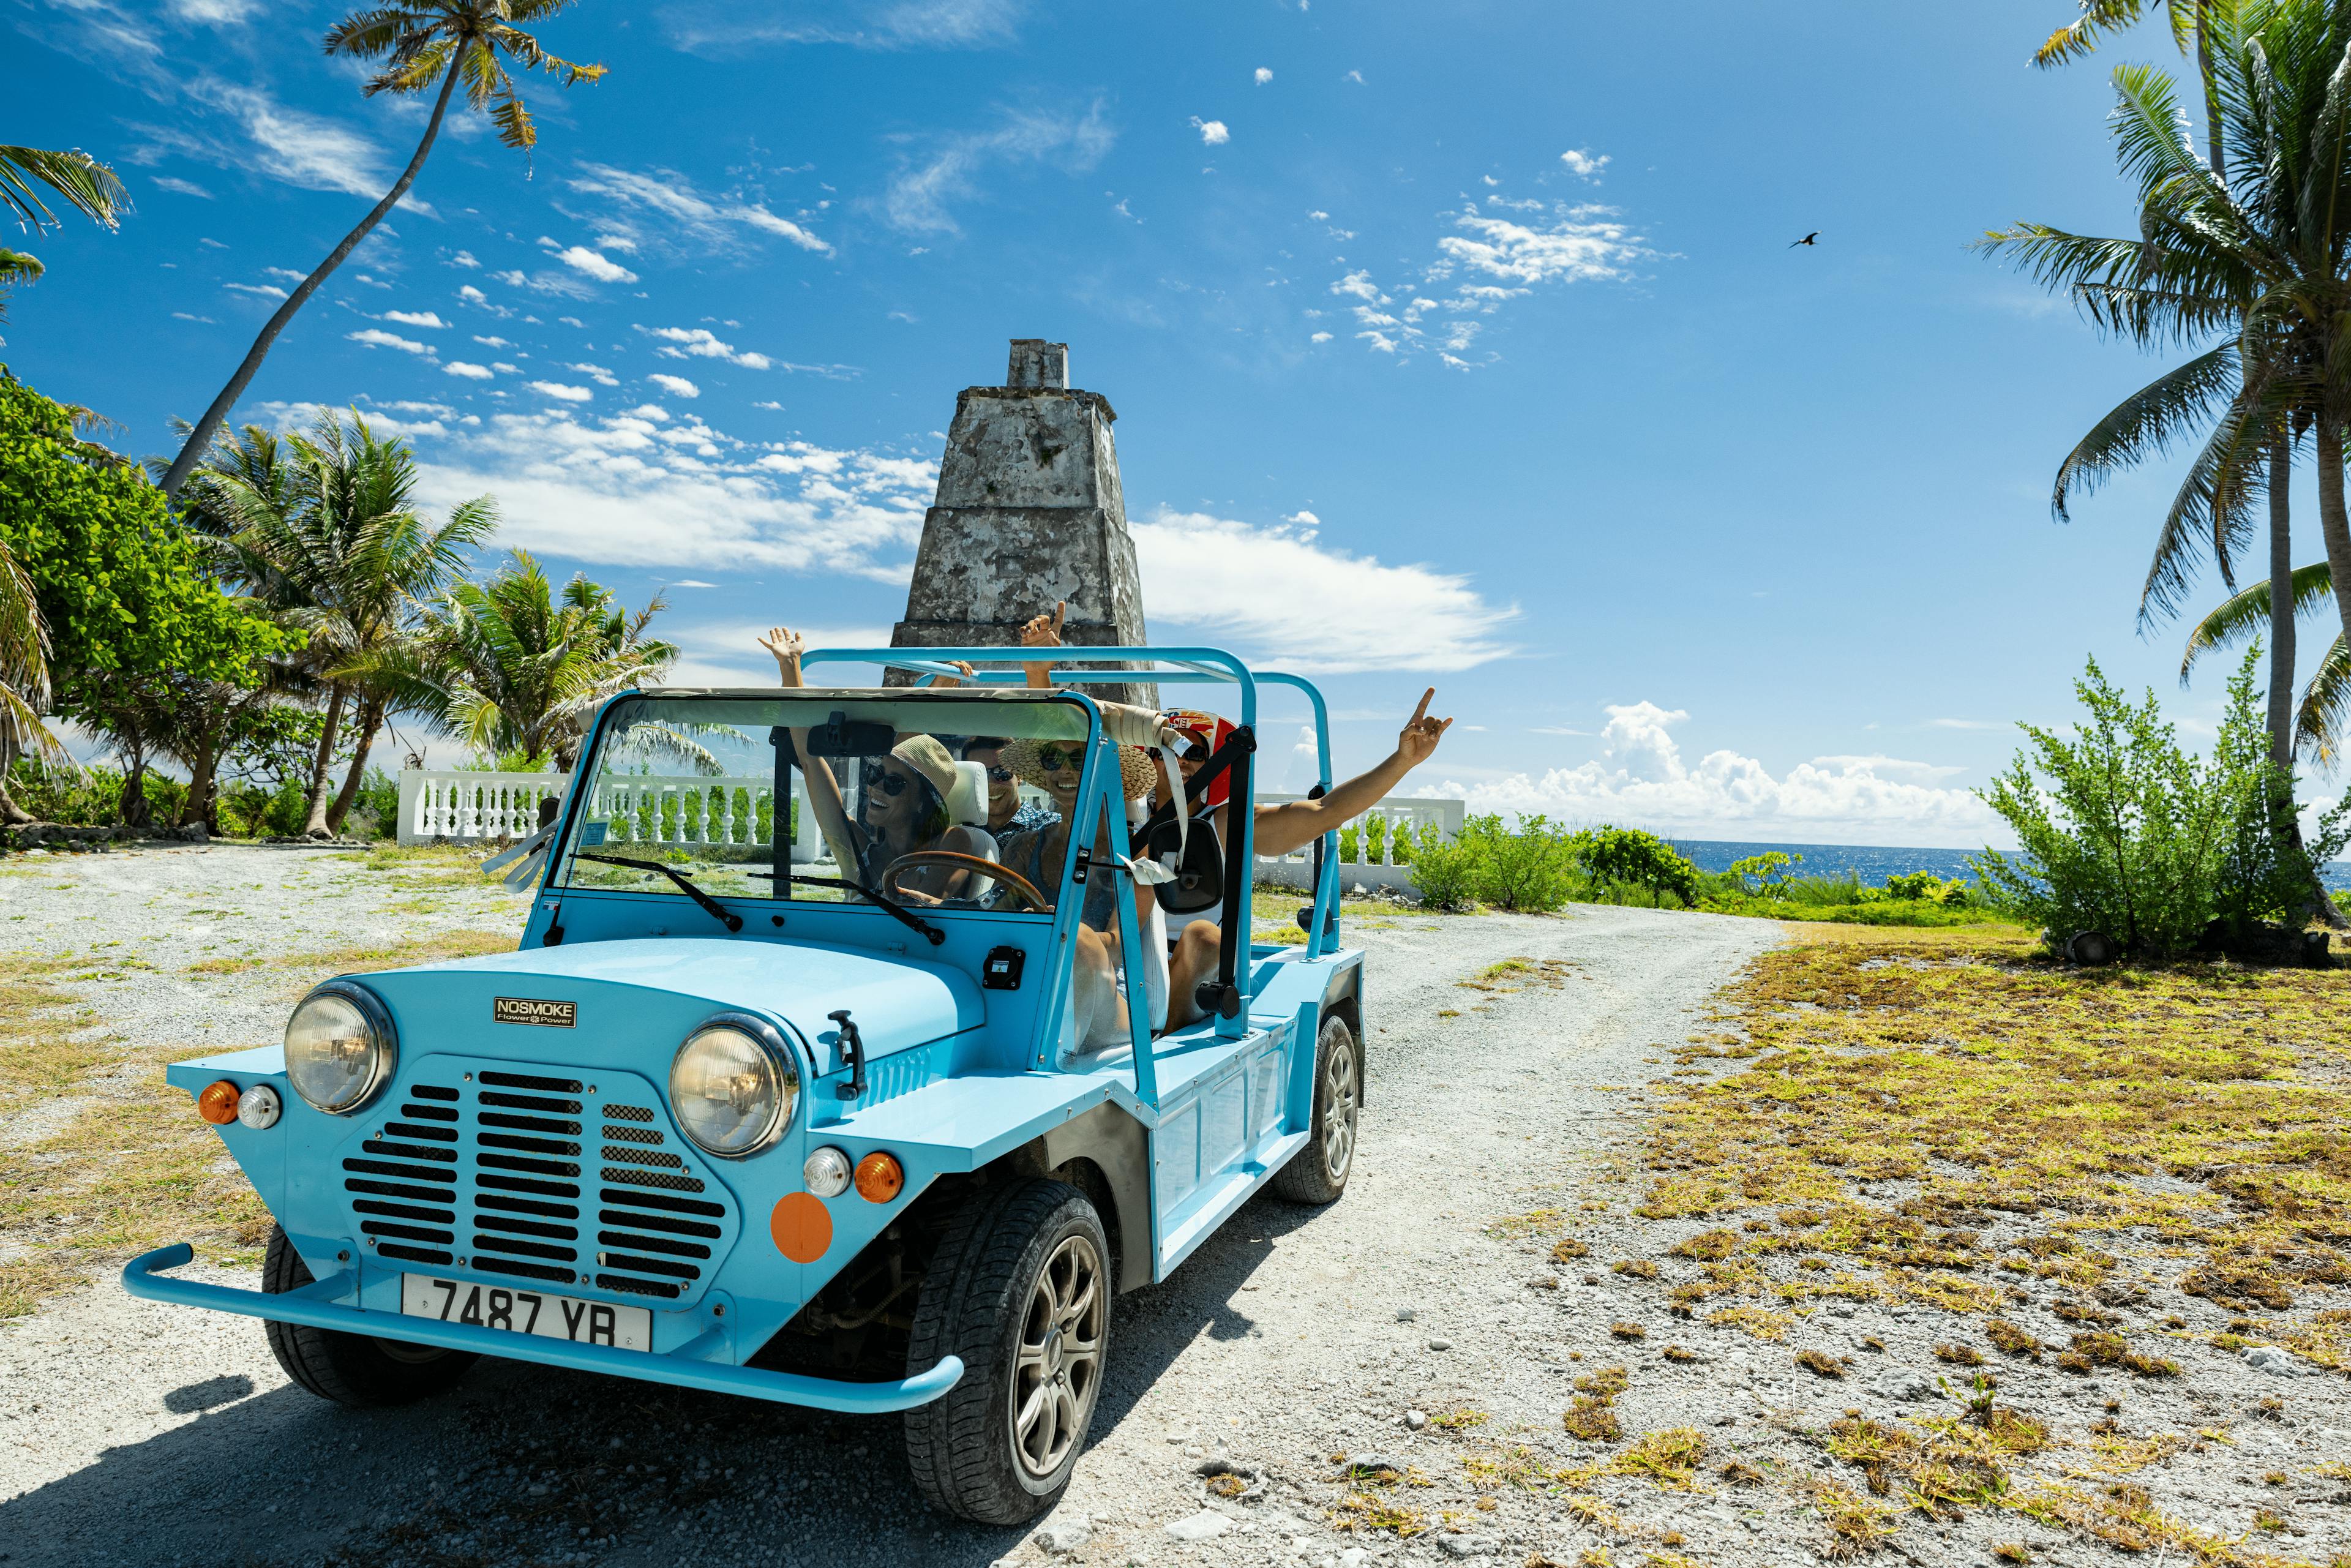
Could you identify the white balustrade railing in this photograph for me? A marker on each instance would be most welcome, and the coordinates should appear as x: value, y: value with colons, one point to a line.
x: 462, y: 807
x: 1369, y: 846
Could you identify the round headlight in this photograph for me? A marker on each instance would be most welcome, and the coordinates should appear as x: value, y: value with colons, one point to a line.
x: 826, y: 1173
x: 732, y: 1087
x: 339, y: 1048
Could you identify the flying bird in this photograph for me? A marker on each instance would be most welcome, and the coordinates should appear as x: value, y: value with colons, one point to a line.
x: 1806, y: 240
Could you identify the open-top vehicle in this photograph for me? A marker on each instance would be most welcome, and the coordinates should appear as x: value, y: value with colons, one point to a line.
x: 727, y: 1123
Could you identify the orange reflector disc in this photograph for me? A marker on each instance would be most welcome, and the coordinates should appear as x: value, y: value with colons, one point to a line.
x: 878, y: 1177
x: 801, y: 1226
x: 217, y: 1103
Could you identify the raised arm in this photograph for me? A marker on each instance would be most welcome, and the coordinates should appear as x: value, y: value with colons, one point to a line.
x: 824, y: 790
x: 1043, y: 632
x: 1294, y: 824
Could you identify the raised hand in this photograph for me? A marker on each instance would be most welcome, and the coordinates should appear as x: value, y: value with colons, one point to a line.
x: 1045, y: 631
x: 1416, y: 741
x: 787, y: 646
x: 968, y: 674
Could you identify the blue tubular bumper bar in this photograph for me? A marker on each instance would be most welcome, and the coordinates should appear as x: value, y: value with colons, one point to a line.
x: 315, y: 1308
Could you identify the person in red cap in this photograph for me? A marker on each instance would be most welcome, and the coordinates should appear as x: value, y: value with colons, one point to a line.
x: 1280, y: 828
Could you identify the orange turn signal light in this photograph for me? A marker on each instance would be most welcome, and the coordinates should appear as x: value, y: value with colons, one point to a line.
x: 217, y: 1103
x: 880, y: 1178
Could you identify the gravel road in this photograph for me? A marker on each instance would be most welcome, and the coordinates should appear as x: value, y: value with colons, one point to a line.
x: 145, y: 1434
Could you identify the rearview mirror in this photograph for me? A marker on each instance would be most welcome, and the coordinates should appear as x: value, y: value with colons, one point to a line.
x: 841, y: 736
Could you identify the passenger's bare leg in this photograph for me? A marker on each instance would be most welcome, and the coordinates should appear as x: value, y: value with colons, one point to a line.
x: 1194, y: 960
x: 1097, y: 1009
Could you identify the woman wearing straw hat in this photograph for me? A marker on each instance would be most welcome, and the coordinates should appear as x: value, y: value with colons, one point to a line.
x: 917, y: 797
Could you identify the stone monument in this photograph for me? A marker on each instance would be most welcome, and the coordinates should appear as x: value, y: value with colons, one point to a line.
x: 1029, y: 514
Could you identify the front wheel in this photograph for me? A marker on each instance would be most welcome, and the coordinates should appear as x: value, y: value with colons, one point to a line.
x: 1020, y: 1290
x: 357, y: 1370
x: 1318, y: 1173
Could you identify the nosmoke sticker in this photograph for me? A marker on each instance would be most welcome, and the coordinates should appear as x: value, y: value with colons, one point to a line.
x: 530, y: 1010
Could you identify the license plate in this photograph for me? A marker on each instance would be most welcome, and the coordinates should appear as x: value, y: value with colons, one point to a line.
x: 517, y: 1310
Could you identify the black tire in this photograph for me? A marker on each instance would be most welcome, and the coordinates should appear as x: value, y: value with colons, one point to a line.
x: 357, y: 1370
x: 1318, y: 1173
x: 980, y: 1301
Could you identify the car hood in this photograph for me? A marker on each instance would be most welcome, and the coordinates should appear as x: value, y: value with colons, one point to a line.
x: 898, y: 1003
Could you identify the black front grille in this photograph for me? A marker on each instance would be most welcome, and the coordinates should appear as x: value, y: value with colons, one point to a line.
x: 492, y: 1175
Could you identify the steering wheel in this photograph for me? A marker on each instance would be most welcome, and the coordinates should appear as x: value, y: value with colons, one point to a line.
x: 958, y: 860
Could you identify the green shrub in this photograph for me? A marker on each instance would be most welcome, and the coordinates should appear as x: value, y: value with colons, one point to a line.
x: 1528, y: 868
x: 1627, y: 857
x: 1445, y: 872
x: 2126, y: 833
x: 1765, y: 875
x: 90, y: 799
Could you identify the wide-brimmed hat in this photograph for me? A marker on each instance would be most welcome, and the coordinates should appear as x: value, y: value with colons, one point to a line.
x: 962, y: 786
x: 1137, y: 776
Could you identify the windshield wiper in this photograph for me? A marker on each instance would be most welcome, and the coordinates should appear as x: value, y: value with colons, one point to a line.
x: 718, y: 912
x: 897, y: 912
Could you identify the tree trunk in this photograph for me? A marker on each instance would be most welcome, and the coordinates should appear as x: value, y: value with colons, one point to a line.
x: 200, y: 438
x: 2334, y: 527
x: 204, y: 769
x: 2281, y: 696
x: 133, y: 809
x: 322, y: 768
x: 370, y: 721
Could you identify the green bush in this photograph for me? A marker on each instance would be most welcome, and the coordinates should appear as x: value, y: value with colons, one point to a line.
x: 1528, y: 868
x: 1627, y: 857
x: 2126, y: 833
x: 90, y: 799
x: 1445, y: 872
x: 1766, y: 876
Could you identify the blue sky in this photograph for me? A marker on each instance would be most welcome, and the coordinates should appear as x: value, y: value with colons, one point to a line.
x: 1451, y: 343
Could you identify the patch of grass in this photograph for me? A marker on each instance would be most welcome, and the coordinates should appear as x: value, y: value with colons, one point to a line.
x: 2197, y: 1105
x: 1676, y: 1353
x: 1592, y: 1420
x: 42, y: 1054
x: 2007, y: 1337
x: 1358, y: 1512
x: 1638, y: 1267
x: 1567, y: 1249
x: 1856, y: 1526
x: 1708, y: 1246
x: 1669, y: 1457
x: 1960, y: 1355
x: 1605, y: 1382
x: 1459, y: 1420
x: 1625, y: 1331
x: 1760, y: 1322
x: 1820, y: 1364
x: 2112, y: 1350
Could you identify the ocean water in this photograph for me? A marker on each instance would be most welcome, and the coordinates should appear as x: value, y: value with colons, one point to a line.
x: 1873, y: 863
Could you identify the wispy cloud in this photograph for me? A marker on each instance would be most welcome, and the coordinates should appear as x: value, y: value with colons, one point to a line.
x: 1582, y: 165
x: 677, y: 386
x: 702, y: 223
x: 377, y: 337
x: 469, y: 371
x: 1279, y: 594
x: 414, y: 317
x: 703, y: 344
x: 560, y: 393
x: 920, y: 192
x: 875, y: 25
x: 182, y: 187
x: 282, y: 144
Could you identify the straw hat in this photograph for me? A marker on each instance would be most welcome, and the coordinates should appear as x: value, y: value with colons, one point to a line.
x: 962, y: 786
x: 1137, y: 776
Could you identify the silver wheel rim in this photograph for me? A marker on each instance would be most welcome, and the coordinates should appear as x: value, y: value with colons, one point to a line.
x: 1059, y: 1366
x: 1339, y: 1110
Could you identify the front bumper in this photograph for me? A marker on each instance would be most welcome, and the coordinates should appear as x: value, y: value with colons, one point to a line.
x: 318, y: 1306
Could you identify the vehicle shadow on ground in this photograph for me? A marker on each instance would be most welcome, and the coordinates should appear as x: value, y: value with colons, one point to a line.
x: 530, y: 1464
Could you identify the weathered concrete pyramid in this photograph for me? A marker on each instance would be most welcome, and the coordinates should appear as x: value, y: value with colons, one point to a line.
x: 1029, y: 514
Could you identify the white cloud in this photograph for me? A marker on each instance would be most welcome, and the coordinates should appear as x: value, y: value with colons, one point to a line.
x: 1212, y: 131
x: 1355, y: 77
x: 266, y: 290
x: 872, y: 25
x: 700, y: 342
x: 558, y: 391
x: 183, y: 316
x: 597, y: 374
x: 581, y: 259
x: 1280, y: 596
x: 414, y: 317
x: 645, y: 488
x: 917, y: 198
x: 1640, y: 780
x: 216, y: 12
x: 287, y: 416
x: 677, y: 386
x: 1320, y: 337
x: 473, y: 295
x: 703, y: 224
x: 297, y: 148
x: 1302, y: 518
x: 464, y: 258
x: 1263, y: 75
x: 377, y: 337
x: 1490, y: 261
x: 1582, y: 165
x: 492, y: 342
x: 183, y: 187
x: 472, y: 372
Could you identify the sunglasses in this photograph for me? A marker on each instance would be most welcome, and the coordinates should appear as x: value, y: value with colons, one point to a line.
x: 1053, y: 759
x: 874, y: 776
x: 999, y: 774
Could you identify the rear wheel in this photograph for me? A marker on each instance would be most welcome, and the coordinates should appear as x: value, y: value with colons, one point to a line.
x: 1318, y: 1173
x: 1020, y: 1290
x: 357, y: 1370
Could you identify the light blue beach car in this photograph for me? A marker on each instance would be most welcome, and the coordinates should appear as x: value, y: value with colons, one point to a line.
x: 727, y: 1122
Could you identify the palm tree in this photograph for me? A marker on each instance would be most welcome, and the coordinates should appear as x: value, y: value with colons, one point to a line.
x: 79, y: 178
x: 2188, y: 20
x: 24, y: 678
x: 2263, y: 260
x: 2319, y: 714
x: 421, y: 42
x: 510, y: 665
x: 322, y: 530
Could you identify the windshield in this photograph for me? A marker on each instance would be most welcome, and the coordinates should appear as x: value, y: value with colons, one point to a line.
x: 691, y: 782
